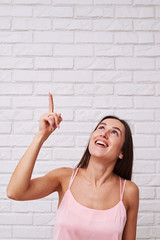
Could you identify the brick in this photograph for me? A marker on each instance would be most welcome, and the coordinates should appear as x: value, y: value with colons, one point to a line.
x: 157, y: 37
x: 73, y: 50
x: 134, y: 37
x: 147, y: 127
x: 5, y: 24
x: 134, y: 12
x: 16, y: 115
x: 146, y: 25
x: 141, y: 140
x: 76, y: 127
x: 93, y: 37
x: 49, y: 11
x: 72, y: 76
x: 16, y: 89
x: 70, y: 154
x: 5, y: 102
x: 111, y: 50
x: 147, y: 192
x: 93, y: 115
x: 157, y: 114
x: 112, y: 25
x: 136, y: 115
x: 5, y: 76
x: 144, y: 167
x: 66, y: 114
x: 145, y: 219
x: 7, y: 167
x: 31, y: 50
x: 43, y: 219
x: 73, y: 24
x: 5, y: 50
x: 147, y: 102
x: 32, y: 1
x: 115, y: 2
x: 32, y: 232
x: 72, y: 2
x: 134, y: 89
x: 13, y: 140
x: 148, y: 206
x: 62, y: 89
x: 19, y: 219
x: 5, y: 127
x: 148, y: 2
x: 95, y: 89
x: 31, y: 76
x: 112, y: 76
x: 5, y: 154
x: 146, y: 76
x: 17, y: 63
x: 5, y: 205
x: 31, y: 24
x: 5, y: 232
x: 147, y: 51
x: 147, y: 154
x: 94, y: 63
x: 53, y: 37
x: 15, y: 11
x: 112, y: 102
x: 135, y: 63
x: 15, y: 37
x: 149, y: 180
x: 54, y: 63
x: 82, y: 141
x: 94, y: 11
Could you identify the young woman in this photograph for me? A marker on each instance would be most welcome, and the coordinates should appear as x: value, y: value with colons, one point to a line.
x: 97, y: 200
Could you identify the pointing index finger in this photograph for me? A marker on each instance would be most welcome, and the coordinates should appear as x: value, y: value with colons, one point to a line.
x: 51, y: 104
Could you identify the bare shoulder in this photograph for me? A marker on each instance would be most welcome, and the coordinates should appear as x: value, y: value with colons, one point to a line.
x: 131, y: 193
x: 60, y: 173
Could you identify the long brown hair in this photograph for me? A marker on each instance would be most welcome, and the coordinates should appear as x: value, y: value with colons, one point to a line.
x: 123, y: 167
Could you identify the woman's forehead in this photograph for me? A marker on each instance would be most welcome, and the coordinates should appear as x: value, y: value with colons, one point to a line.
x: 113, y: 123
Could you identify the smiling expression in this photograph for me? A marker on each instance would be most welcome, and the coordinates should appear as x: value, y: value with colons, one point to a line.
x: 107, y: 140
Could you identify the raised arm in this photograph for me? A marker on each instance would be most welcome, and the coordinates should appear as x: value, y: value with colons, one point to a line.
x: 21, y: 187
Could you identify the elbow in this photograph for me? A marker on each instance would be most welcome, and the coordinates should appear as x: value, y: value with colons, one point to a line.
x: 12, y: 195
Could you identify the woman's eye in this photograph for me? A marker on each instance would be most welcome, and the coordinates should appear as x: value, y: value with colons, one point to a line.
x: 115, y: 132
x: 101, y: 127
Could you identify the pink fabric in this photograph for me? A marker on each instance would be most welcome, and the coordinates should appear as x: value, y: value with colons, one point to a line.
x: 74, y: 221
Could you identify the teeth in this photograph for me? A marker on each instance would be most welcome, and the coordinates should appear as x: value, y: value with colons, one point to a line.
x: 101, y: 143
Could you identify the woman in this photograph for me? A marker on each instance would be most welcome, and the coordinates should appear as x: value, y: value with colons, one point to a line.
x: 97, y: 200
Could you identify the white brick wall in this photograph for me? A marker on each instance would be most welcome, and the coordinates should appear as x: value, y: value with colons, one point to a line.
x: 97, y: 57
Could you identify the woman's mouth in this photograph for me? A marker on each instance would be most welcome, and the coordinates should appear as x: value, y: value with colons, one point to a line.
x: 101, y: 143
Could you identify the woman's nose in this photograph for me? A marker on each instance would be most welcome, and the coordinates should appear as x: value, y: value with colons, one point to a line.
x: 105, y: 134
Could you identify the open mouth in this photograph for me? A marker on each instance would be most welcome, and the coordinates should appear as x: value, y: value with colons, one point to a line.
x: 101, y: 144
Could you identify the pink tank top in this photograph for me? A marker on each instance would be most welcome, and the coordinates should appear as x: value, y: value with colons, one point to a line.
x: 74, y: 221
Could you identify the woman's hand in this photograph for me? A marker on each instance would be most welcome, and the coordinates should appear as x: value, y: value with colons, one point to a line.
x: 49, y: 121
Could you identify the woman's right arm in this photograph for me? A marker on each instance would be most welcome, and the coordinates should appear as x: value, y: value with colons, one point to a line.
x: 21, y: 187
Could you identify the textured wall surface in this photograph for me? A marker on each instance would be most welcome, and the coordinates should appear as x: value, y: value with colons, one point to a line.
x: 97, y: 57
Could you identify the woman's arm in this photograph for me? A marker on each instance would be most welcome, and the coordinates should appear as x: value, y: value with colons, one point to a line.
x: 21, y: 187
x: 132, y: 195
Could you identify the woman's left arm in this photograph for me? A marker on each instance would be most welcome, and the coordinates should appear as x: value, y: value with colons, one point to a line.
x: 132, y: 195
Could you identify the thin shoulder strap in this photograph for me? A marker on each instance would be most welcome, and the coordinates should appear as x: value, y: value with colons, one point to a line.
x: 122, y: 190
x: 72, y: 177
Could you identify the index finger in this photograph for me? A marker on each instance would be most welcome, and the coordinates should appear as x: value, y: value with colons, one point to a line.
x: 51, y: 104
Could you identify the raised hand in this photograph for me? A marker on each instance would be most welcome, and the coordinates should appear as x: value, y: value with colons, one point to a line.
x: 49, y: 121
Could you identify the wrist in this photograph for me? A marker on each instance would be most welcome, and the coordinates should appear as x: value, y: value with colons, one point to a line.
x: 40, y: 138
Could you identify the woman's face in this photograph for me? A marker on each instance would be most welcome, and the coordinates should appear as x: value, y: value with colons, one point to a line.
x: 107, y: 140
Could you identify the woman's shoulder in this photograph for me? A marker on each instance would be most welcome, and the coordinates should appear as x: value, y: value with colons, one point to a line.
x: 131, y: 193
x: 62, y: 172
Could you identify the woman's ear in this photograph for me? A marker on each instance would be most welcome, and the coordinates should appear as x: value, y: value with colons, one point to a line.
x: 121, y: 156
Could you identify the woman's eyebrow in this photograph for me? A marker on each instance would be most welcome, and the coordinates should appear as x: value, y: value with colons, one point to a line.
x: 112, y: 127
